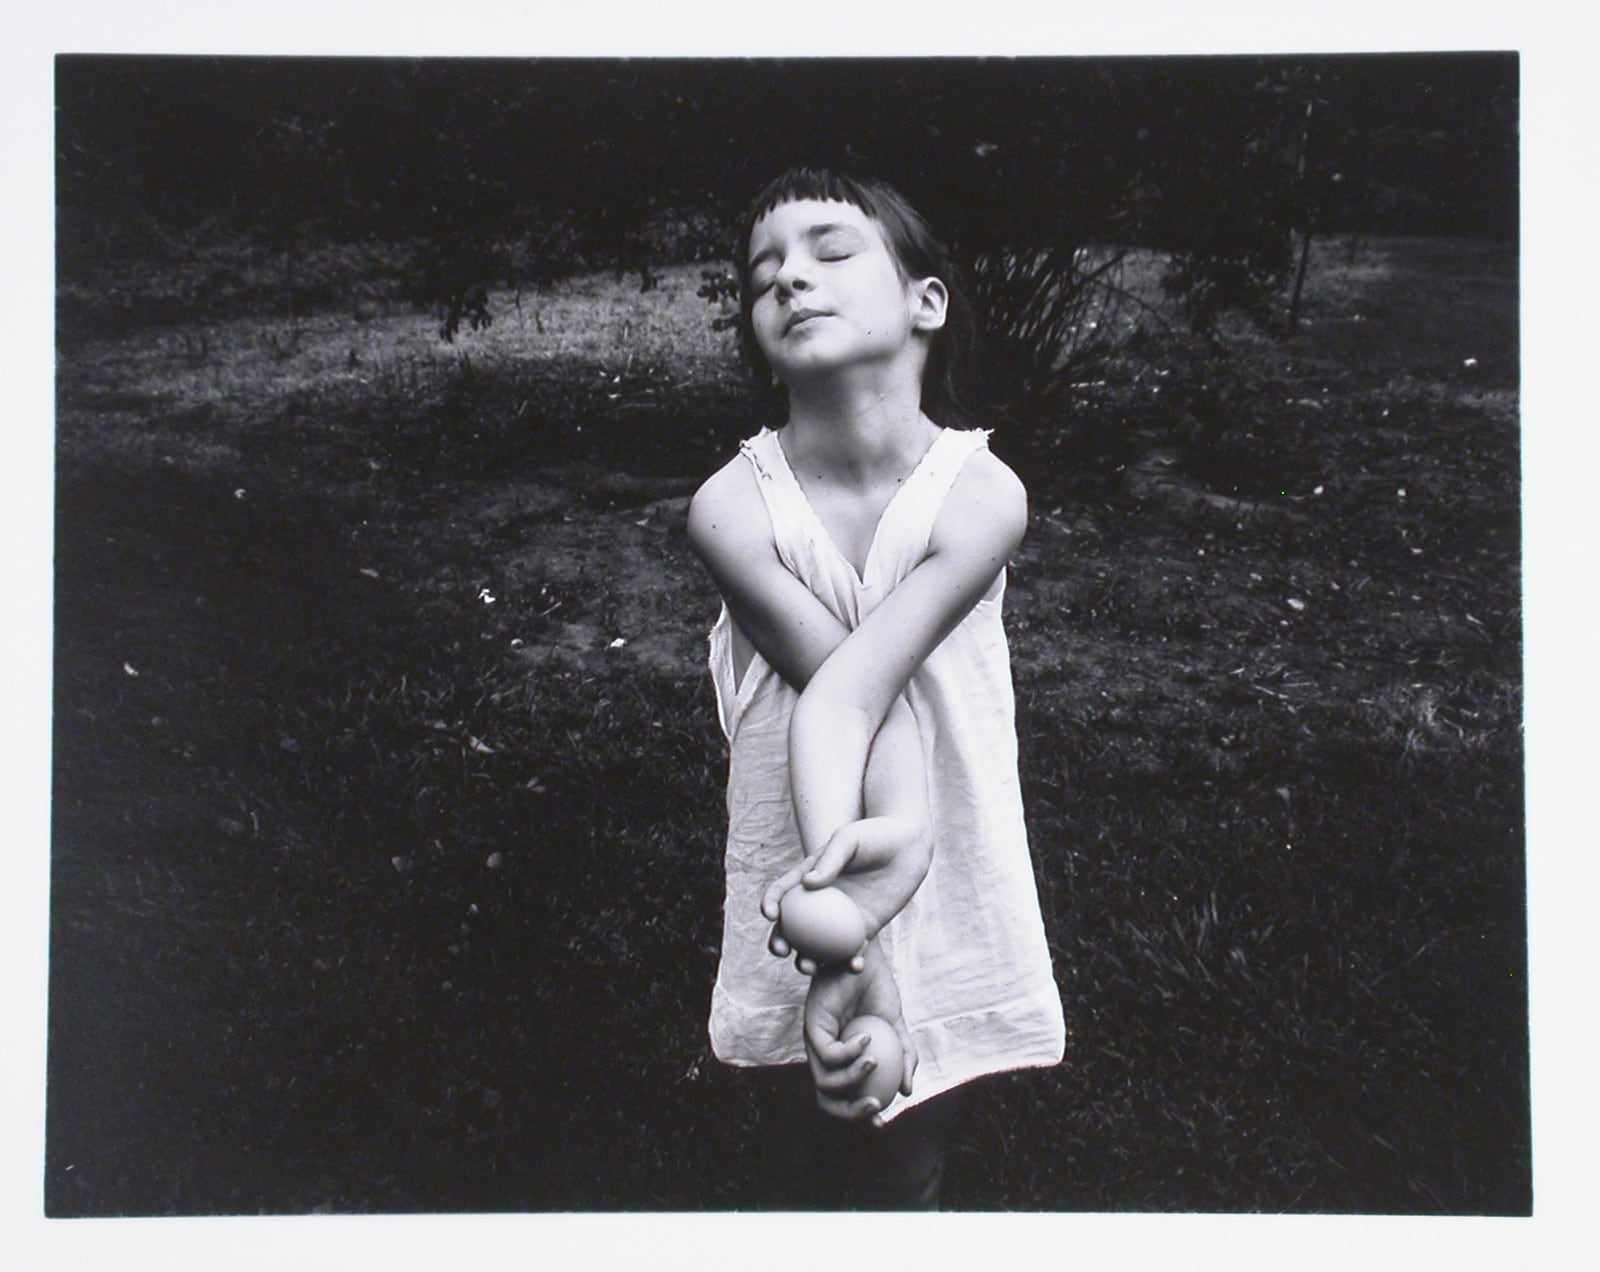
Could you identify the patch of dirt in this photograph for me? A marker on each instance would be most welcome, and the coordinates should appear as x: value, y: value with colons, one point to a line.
x: 628, y: 587
x: 387, y: 777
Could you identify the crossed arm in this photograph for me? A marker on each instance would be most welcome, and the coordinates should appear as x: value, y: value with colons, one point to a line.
x: 846, y: 700
x: 853, y: 743
x: 888, y: 851
x: 851, y: 730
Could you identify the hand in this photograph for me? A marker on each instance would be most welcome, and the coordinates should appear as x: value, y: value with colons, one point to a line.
x: 836, y: 997
x: 822, y: 926
x: 878, y: 862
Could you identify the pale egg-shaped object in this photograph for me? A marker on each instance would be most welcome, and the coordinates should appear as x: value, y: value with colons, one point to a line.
x: 884, y: 1047
x: 822, y: 923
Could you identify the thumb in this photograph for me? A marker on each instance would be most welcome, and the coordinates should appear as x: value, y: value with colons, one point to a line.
x: 909, y: 1050
x: 771, y: 898
x: 836, y: 854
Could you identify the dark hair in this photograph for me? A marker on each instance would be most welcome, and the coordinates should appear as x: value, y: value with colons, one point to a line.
x: 916, y: 251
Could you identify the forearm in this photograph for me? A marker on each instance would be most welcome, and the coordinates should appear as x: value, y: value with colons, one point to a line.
x: 829, y: 746
x: 897, y: 838
x: 896, y: 782
x: 886, y: 805
x: 838, y: 722
x: 878, y: 860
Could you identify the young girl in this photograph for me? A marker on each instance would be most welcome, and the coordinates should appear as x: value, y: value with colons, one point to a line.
x: 864, y: 683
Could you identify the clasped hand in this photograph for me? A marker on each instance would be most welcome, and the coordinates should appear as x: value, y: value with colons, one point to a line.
x: 836, y: 997
x: 878, y: 862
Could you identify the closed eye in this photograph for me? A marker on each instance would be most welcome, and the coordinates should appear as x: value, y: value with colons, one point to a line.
x: 835, y: 242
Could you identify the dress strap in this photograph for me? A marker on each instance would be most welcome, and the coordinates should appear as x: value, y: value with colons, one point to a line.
x: 774, y: 482
x: 909, y: 519
x: 900, y: 541
x: 945, y: 464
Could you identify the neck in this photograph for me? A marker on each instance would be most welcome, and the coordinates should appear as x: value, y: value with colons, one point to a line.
x: 844, y: 427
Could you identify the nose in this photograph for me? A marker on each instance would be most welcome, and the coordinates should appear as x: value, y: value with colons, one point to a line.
x: 791, y: 277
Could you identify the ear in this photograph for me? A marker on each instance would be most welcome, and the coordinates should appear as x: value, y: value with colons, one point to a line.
x: 930, y: 302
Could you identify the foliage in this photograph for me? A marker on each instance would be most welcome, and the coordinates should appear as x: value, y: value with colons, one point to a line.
x: 1049, y: 319
x: 388, y: 780
x: 440, y: 147
x: 1222, y: 195
x: 720, y: 287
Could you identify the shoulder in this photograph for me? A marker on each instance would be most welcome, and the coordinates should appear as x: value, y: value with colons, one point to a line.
x: 987, y: 499
x: 987, y: 477
x: 727, y: 508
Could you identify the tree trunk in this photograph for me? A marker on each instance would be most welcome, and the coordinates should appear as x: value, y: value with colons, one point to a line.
x: 1299, y: 280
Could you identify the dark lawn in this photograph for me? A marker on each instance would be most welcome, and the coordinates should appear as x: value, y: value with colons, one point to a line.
x: 387, y: 800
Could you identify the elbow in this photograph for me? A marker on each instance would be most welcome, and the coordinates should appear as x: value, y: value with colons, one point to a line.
x: 827, y: 721
x: 839, y: 698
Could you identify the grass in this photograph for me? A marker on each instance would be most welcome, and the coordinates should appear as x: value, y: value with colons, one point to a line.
x: 386, y: 870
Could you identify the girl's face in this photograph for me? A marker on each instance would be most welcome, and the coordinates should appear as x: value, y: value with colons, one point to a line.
x: 829, y: 294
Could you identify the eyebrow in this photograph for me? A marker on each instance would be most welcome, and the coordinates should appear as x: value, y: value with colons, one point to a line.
x: 811, y: 234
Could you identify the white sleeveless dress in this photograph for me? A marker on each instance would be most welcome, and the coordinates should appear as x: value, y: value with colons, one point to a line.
x: 969, y: 952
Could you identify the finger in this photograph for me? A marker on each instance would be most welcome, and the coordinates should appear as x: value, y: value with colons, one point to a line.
x: 836, y: 854
x: 840, y: 1082
x: 850, y: 1110
x: 835, y: 1054
x: 777, y: 945
x: 909, y: 1057
x: 819, y: 1021
x: 830, y: 1052
x: 772, y: 898
x: 808, y: 966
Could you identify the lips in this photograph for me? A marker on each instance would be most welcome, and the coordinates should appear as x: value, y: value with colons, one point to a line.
x: 799, y: 316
